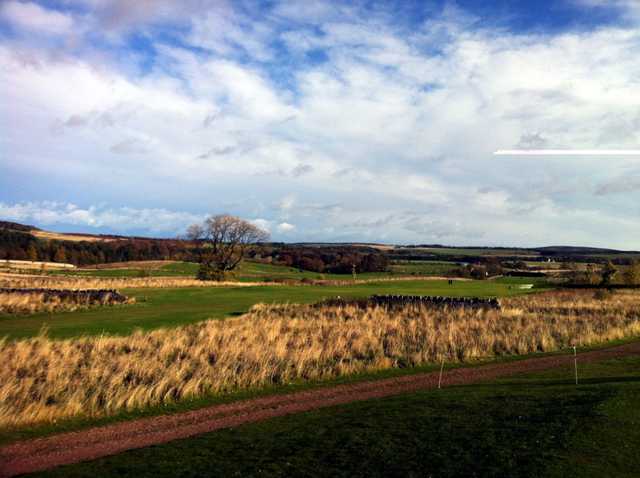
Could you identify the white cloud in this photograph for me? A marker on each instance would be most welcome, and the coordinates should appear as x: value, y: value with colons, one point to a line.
x: 271, y: 226
x: 285, y: 227
x: 48, y: 213
x: 35, y: 18
x: 394, y: 124
x: 263, y: 224
x: 226, y: 33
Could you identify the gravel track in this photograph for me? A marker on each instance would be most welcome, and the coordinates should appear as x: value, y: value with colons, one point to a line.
x: 45, y: 453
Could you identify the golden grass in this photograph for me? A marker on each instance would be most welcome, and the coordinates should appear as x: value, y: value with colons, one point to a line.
x: 148, y: 265
x: 26, y: 281
x: 60, y: 236
x: 21, y: 281
x: 29, y: 302
x: 15, y: 264
x: 42, y: 380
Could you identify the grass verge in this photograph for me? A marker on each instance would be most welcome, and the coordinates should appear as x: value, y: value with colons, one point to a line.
x: 527, y: 425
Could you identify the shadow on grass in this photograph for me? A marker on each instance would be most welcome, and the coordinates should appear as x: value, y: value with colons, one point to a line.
x: 555, y: 383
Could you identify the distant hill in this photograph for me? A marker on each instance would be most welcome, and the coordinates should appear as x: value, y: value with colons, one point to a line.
x: 26, y: 242
x: 14, y: 226
x: 580, y: 250
x: 67, y: 236
x: 23, y: 242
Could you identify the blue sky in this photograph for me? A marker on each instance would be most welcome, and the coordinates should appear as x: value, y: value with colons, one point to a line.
x: 332, y: 121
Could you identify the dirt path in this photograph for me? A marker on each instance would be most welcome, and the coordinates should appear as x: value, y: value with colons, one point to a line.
x: 44, y: 453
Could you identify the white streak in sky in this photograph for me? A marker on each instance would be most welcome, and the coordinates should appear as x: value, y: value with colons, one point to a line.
x: 567, y: 152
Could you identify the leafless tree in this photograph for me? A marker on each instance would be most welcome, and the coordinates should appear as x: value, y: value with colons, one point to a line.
x: 223, y: 240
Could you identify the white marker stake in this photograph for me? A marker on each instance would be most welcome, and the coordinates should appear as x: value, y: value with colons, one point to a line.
x: 441, y: 369
x: 575, y: 362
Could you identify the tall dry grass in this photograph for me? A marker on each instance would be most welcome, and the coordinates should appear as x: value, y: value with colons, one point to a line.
x: 42, y: 380
x: 17, y: 281
x: 24, y: 281
x: 30, y: 301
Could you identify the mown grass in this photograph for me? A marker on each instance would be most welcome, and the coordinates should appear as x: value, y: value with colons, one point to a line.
x: 470, y: 251
x: 157, y: 308
x: 257, y: 271
x: 176, y: 269
x: 427, y: 268
x: 527, y: 425
x: 247, y: 271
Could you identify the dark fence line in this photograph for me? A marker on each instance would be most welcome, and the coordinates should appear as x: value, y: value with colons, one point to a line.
x: 399, y: 301
x: 91, y: 295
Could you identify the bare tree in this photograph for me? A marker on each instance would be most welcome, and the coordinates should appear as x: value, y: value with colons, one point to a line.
x: 223, y: 240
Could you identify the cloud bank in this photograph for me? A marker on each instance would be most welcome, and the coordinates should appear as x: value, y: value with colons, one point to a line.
x: 327, y: 121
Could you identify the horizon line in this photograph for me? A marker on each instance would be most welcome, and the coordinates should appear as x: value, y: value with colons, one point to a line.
x: 567, y: 152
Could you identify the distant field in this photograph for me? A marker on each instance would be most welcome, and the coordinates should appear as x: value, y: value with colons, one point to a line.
x: 137, y: 269
x: 468, y: 251
x: 11, y: 265
x: 256, y: 271
x: 59, y: 236
x: 426, y: 268
x: 171, y: 307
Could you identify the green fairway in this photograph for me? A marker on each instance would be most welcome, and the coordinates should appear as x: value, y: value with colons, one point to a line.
x: 527, y: 425
x: 469, y: 251
x: 176, y: 269
x: 248, y: 271
x: 424, y: 268
x: 170, y: 307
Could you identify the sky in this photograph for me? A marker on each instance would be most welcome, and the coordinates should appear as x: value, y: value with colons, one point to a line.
x: 324, y: 120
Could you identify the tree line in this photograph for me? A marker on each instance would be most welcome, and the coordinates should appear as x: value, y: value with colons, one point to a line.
x: 333, y: 260
x: 604, y: 276
x: 23, y: 246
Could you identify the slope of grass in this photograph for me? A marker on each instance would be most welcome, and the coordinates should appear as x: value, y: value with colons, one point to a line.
x: 175, y: 269
x: 527, y: 425
x: 426, y: 268
x: 156, y: 308
x: 468, y: 251
x: 248, y: 271
x: 257, y: 271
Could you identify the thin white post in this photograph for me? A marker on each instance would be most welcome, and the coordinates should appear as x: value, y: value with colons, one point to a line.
x: 441, y: 370
x: 575, y: 362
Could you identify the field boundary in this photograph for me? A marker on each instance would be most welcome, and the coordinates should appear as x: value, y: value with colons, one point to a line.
x: 67, y: 448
